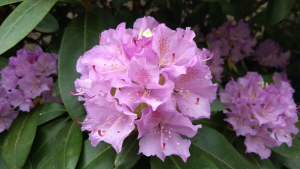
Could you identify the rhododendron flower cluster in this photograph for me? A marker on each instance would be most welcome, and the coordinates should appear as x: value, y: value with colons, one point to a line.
x: 26, y: 78
x: 151, y: 77
x: 264, y: 113
x: 268, y: 53
x: 232, y: 41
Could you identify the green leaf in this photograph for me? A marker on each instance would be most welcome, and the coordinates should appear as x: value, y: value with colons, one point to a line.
x: 231, y: 9
x: 218, y: 150
x: 293, y: 69
x: 268, y: 79
x: 2, y: 137
x: 46, y: 162
x: 3, y: 63
x: 43, y: 143
x: 6, y: 2
x: 2, y: 162
x: 49, y: 111
x: 48, y: 25
x: 254, y: 159
x: 81, y: 35
x: 292, y: 152
x: 105, y: 17
x: 216, y: 16
x: 278, y: 10
x: 196, y: 160
x: 28, y: 164
x: 119, y: 2
x: 291, y: 163
x: 22, y: 21
x: 19, y: 139
x: 55, y: 90
x: 197, y: 15
x: 101, y: 156
x: 129, y: 156
x: 67, y: 146
x: 216, y: 106
x: 216, y: 122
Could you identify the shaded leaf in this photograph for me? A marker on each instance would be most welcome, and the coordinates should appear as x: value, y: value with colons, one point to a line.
x: 55, y: 90
x: 291, y: 163
x: 218, y: 150
x: 129, y: 156
x: 278, y: 10
x: 196, y: 161
x: 2, y: 162
x: 67, y: 146
x: 43, y: 143
x: 119, y: 2
x: 197, y: 15
x: 6, y: 2
x: 3, y: 62
x: 216, y: 122
x: 216, y: 16
x: 292, y: 152
x: 101, y: 156
x: 81, y: 35
x: 26, y: 16
x: 216, y: 106
x: 268, y: 79
x: 48, y: 25
x: 19, y: 139
x: 49, y: 111
x: 28, y: 164
x: 46, y: 162
x: 106, y: 18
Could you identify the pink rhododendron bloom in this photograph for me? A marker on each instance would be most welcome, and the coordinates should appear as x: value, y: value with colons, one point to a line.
x: 268, y: 53
x: 229, y: 41
x: 26, y: 78
x: 150, y: 76
x: 264, y: 113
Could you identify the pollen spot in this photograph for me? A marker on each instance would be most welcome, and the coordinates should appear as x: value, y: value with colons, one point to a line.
x: 128, y: 94
x: 156, y: 99
x: 178, y: 144
x: 186, y: 108
x: 131, y: 97
x: 118, y: 131
x: 153, y: 142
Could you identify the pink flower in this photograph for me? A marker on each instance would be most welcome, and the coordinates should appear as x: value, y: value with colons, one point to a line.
x: 264, y: 113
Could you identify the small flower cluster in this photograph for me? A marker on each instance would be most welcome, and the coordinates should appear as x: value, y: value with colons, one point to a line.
x: 264, y: 113
x: 231, y: 41
x: 23, y: 81
x: 270, y: 54
x: 149, y: 76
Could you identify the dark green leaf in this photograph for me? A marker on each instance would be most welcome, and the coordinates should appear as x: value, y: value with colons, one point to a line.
x: 55, y: 90
x: 46, y: 162
x: 278, y: 10
x: 216, y: 122
x: 260, y: 18
x: 119, y: 2
x: 291, y: 163
x: 2, y: 162
x: 196, y: 161
x: 28, y: 164
x: 230, y: 9
x: 125, y: 15
x: 6, y: 2
x: 197, y: 15
x: 48, y: 25
x: 292, y: 152
x: 129, y: 156
x: 81, y: 35
x: 254, y: 159
x: 2, y: 137
x: 216, y: 16
x: 101, y: 156
x: 218, y: 150
x: 43, y: 143
x: 22, y: 21
x: 106, y: 18
x: 268, y: 79
x: 3, y: 62
x: 18, y: 141
x: 216, y: 106
x: 67, y: 146
x: 293, y: 69
x: 49, y: 111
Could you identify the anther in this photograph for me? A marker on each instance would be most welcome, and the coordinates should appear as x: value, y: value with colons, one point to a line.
x: 75, y: 94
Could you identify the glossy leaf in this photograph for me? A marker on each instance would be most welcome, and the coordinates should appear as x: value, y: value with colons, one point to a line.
x: 101, y: 156
x: 49, y: 111
x: 278, y: 10
x: 2, y: 162
x: 253, y: 158
x: 48, y: 25
x: 26, y: 16
x: 46, y: 162
x: 67, y: 146
x: 19, y: 139
x: 129, y: 156
x: 291, y: 163
x: 6, y: 2
x: 218, y: 150
x: 292, y: 152
x: 43, y: 143
x: 196, y: 160
x: 81, y: 35
x: 216, y: 106
x: 55, y: 90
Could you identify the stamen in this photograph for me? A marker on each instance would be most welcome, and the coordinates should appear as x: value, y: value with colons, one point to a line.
x: 75, y: 94
x: 212, y: 54
x: 99, y: 132
x: 173, y: 58
x: 182, y: 37
x: 134, y: 41
x: 94, y: 68
x: 164, y: 146
x: 101, y: 39
x: 80, y: 122
x: 298, y: 107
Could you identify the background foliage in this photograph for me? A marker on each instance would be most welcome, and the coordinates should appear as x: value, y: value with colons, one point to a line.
x: 49, y: 137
